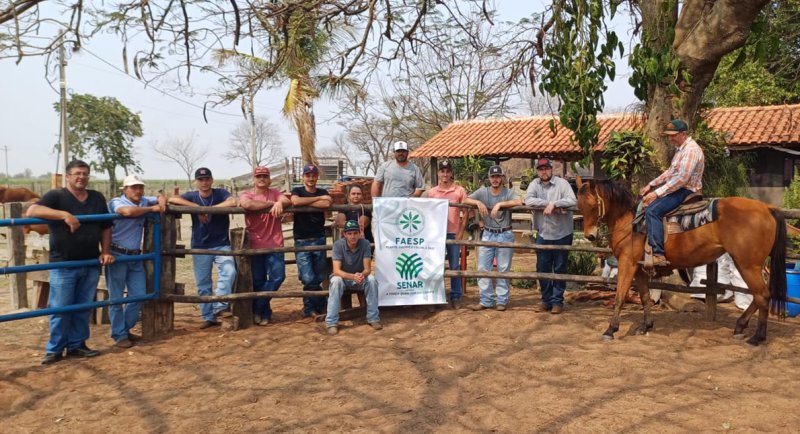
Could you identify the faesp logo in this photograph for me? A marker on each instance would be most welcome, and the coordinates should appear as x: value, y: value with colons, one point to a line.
x: 410, y: 222
x: 409, y: 266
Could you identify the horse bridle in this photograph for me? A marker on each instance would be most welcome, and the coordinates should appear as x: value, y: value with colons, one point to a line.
x: 601, y: 205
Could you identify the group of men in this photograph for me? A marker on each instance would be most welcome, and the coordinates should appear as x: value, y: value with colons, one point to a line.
x: 73, y: 240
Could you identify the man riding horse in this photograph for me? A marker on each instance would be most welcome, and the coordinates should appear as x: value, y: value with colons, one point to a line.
x: 665, y: 193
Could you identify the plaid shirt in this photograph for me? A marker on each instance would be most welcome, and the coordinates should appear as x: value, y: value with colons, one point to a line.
x: 685, y: 171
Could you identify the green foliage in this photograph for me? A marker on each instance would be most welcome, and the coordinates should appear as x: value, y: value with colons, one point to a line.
x: 470, y: 171
x: 724, y: 174
x: 791, y: 197
x: 577, y: 65
x: 102, y: 131
x: 749, y: 84
x: 625, y: 154
x: 581, y: 263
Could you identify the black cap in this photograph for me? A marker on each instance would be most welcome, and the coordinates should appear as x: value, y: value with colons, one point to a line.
x: 544, y: 162
x: 445, y: 164
x: 203, y: 172
x: 495, y: 170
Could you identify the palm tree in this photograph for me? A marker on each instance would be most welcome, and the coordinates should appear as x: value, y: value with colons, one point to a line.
x: 297, y: 47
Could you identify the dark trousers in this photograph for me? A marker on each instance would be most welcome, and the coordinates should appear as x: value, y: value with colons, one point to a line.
x: 553, y: 261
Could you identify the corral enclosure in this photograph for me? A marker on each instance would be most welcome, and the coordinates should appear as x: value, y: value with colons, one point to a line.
x: 452, y: 370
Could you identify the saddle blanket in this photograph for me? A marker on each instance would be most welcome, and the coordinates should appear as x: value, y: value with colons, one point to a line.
x: 681, y: 222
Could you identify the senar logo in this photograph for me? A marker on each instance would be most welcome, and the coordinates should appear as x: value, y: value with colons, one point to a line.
x: 409, y: 266
x: 411, y: 221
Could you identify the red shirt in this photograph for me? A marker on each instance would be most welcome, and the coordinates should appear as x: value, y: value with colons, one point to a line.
x: 263, y: 230
x: 455, y: 194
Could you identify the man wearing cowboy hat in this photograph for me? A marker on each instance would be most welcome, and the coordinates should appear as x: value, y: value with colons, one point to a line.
x: 665, y: 193
x: 126, y: 239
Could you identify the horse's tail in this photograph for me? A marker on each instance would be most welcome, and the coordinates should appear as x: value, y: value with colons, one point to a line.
x: 777, y: 275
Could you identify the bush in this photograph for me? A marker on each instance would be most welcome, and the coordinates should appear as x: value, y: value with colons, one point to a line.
x: 791, y: 197
x: 581, y: 263
x: 724, y: 174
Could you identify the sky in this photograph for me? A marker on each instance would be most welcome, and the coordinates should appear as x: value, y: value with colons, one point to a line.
x: 29, y: 124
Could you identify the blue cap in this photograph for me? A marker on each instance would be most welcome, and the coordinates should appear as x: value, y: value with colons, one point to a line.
x: 351, y: 225
x: 310, y: 168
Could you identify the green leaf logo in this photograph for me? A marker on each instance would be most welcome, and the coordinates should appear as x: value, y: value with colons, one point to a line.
x: 409, y: 266
x: 410, y: 221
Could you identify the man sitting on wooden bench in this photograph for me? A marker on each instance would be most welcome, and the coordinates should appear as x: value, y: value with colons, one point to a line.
x: 352, y: 268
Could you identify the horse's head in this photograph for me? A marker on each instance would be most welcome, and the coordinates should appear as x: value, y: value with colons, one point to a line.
x: 591, y: 206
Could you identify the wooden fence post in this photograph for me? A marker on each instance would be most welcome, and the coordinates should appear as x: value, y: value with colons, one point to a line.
x: 242, y: 310
x: 158, y: 316
x: 16, y: 256
x: 712, y: 271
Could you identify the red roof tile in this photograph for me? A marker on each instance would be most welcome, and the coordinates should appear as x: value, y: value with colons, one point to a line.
x: 527, y: 137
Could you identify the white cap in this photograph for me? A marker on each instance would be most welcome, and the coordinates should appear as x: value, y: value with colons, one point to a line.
x: 400, y: 146
x: 132, y: 180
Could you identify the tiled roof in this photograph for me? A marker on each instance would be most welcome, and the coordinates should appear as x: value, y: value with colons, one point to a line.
x: 758, y: 126
x: 527, y: 137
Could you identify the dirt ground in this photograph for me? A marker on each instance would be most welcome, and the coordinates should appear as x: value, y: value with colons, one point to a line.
x: 446, y: 371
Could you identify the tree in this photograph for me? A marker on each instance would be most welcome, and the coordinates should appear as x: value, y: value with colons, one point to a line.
x: 183, y: 152
x: 102, y: 131
x: 268, y: 145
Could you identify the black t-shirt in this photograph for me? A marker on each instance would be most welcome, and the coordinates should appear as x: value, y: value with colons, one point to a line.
x: 85, y: 242
x: 309, y: 224
x: 355, y: 215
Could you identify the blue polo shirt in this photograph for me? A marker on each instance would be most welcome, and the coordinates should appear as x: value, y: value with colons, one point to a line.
x: 127, y: 233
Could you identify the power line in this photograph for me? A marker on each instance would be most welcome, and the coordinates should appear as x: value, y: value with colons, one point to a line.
x: 163, y: 92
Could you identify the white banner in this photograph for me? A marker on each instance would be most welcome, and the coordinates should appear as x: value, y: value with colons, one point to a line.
x: 410, y: 239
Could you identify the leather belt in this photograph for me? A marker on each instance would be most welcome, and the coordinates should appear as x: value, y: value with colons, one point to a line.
x: 498, y: 231
x: 124, y: 251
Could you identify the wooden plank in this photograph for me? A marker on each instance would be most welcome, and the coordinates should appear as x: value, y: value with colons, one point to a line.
x: 16, y: 254
x: 242, y: 309
x: 158, y: 316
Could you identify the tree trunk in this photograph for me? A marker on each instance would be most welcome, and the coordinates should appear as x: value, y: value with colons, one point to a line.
x: 704, y: 33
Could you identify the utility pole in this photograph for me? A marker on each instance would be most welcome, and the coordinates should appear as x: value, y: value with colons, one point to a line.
x: 62, y: 69
x: 253, y: 153
x: 8, y: 176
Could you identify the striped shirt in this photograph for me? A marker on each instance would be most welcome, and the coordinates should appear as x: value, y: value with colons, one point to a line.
x: 685, y: 171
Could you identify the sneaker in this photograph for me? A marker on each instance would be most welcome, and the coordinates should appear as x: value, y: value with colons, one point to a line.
x: 206, y: 324
x: 455, y: 304
x: 83, y: 351
x: 123, y: 343
x: 542, y: 307
x: 376, y: 325
x: 260, y: 321
x: 333, y: 330
x: 134, y: 337
x: 50, y: 358
x: 557, y: 310
x: 501, y: 307
x: 480, y: 307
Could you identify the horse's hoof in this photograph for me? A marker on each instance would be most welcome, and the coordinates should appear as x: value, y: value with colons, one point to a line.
x: 753, y: 342
x: 738, y: 336
x: 608, y: 338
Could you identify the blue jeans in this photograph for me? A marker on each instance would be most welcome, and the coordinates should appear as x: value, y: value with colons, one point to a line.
x: 335, y: 291
x: 120, y: 275
x: 226, y: 268
x: 311, y: 269
x: 453, y: 256
x: 552, y: 261
x: 654, y: 215
x: 269, y: 272
x: 70, y: 286
x: 486, y: 256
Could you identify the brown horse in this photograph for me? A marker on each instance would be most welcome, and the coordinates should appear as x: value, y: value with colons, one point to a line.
x: 16, y: 194
x: 749, y: 230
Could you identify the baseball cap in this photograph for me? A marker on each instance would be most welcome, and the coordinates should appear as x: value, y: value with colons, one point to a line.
x: 544, y: 162
x: 445, y: 164
x: 351, y: 225
x: 310, y: 168
x: 495, y: 170
x: 675, y: 126
x: 203, y: 172
x: 132, y: 180
x: 400, y: 146
x: 261, y: 170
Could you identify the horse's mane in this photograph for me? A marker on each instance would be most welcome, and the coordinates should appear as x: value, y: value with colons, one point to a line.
x: 616, y: 193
